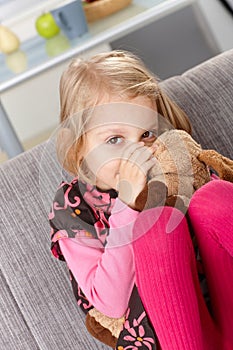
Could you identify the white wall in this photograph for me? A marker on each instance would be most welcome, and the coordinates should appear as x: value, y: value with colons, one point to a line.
x: 220, y: 21
x: 33, y: 107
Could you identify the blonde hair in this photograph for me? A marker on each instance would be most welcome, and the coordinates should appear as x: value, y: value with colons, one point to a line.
x: 116, y: 73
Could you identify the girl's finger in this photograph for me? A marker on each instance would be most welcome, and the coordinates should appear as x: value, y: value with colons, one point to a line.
x: 141, y: 155
x: 145, y: 167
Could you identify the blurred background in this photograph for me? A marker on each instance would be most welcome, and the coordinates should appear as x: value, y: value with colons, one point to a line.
x: 171, y: 36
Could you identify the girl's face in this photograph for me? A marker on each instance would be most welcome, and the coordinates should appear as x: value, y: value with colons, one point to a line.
x: 112, y: 127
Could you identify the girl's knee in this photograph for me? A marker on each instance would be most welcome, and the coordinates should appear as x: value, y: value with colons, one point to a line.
x: 212, y: 201
x: 211, y: 213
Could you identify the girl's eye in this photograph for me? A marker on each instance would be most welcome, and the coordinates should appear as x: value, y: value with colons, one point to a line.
x: 115, y: 140
x: 149, y: 135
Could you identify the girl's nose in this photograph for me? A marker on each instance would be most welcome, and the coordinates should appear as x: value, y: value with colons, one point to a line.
x: 137, y: 141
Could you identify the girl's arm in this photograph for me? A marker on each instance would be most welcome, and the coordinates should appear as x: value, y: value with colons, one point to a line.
x: 105, y: 275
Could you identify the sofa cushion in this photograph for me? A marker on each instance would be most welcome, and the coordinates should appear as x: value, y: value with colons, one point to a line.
x: 42, y: 310
x: 13, y: 328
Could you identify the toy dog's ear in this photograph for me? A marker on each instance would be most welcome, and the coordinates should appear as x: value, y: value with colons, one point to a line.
x: 154, y: 194
x: 219, y: 163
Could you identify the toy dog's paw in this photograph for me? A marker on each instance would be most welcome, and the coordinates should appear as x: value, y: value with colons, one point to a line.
x: 100, y: 332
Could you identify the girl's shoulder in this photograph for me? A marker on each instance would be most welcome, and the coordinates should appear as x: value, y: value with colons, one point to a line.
x: 70, y: 212
x: 77, y: 193
x: 78, y: 206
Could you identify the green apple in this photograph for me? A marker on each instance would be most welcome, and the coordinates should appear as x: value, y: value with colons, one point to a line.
x: 46, y: 26
x: 58, y: 44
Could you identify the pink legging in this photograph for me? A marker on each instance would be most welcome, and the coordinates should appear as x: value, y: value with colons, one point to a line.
x: 166, y: 272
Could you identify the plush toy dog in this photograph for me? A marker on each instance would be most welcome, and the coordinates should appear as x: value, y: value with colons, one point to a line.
x: 182, y: 168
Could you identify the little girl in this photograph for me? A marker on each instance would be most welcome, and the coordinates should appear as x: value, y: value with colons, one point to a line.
x: 110, y: 107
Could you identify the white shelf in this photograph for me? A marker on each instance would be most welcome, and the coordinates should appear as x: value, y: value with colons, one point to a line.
x: 131, y: 18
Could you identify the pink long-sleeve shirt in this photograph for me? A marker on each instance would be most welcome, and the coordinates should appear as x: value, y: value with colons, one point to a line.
x: 105, y: 274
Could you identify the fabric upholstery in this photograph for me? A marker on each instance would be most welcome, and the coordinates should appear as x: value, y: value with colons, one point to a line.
x: 13, y: 328
x: 38, y: 309
x: 42, y: 311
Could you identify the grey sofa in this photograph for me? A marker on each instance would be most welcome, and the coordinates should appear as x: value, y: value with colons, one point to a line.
x: 38, y: 309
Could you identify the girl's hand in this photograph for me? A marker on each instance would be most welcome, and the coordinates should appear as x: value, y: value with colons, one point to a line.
x: 136, y: 161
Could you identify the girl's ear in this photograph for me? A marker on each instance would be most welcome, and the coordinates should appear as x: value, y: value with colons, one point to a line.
x: 219, y: 163
x: 66, y: 154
